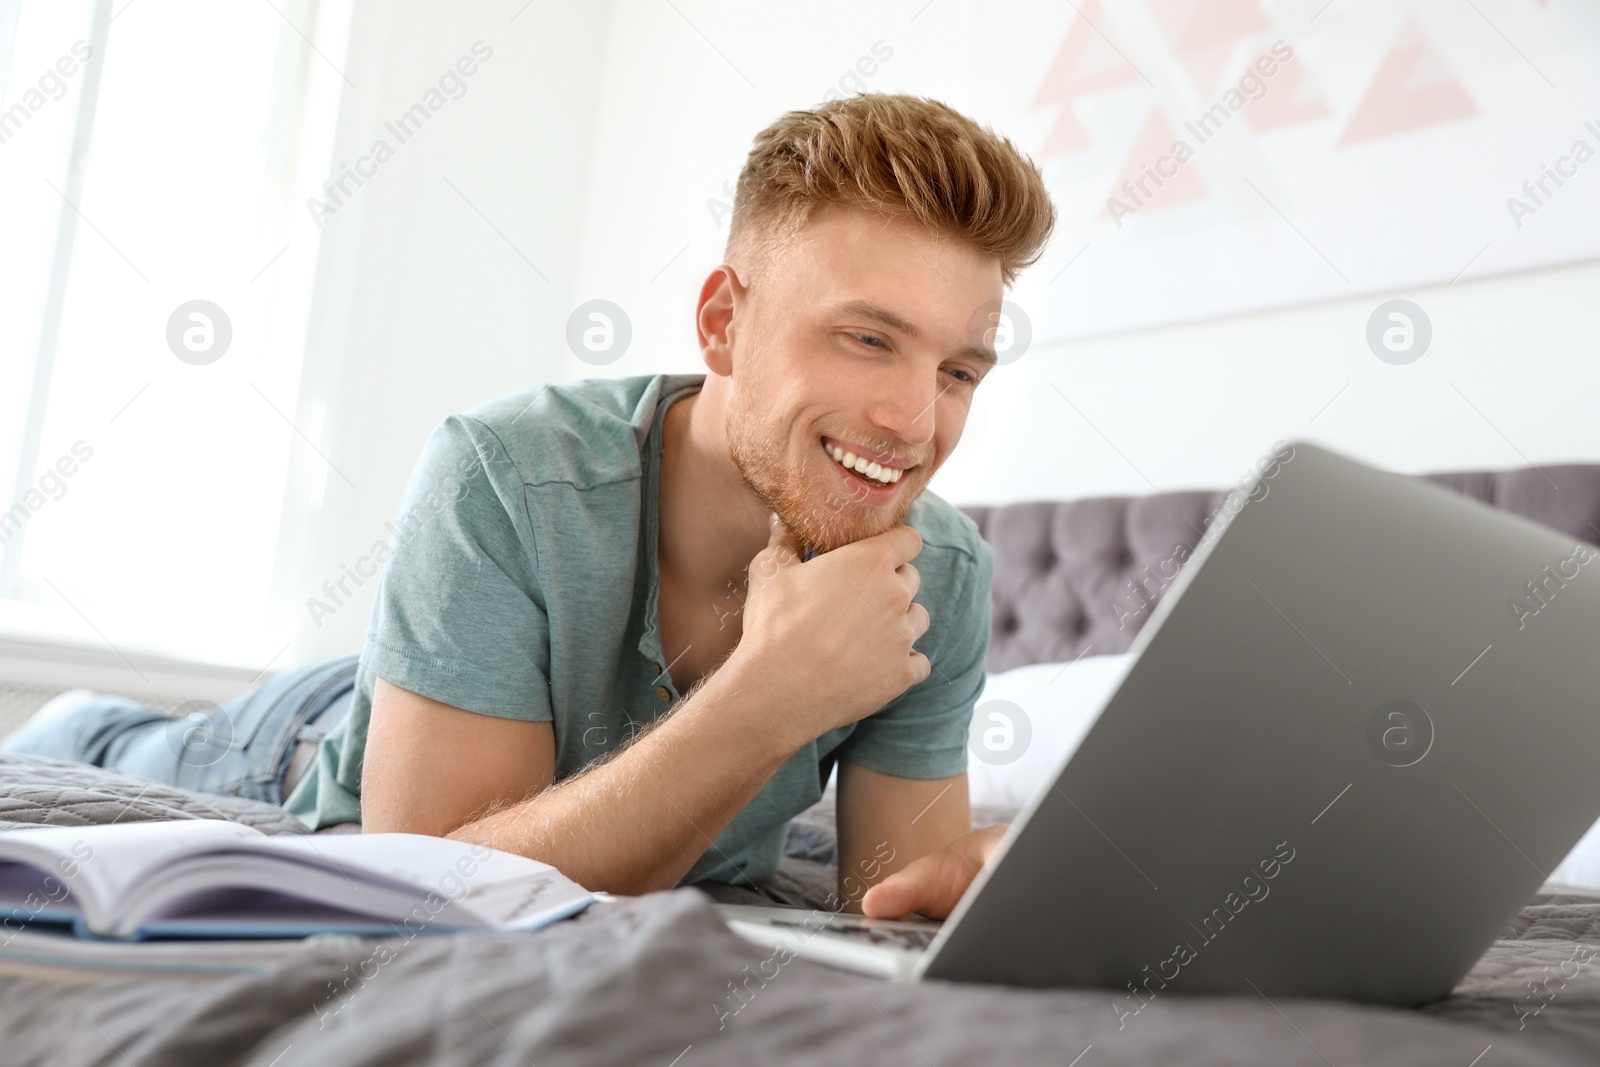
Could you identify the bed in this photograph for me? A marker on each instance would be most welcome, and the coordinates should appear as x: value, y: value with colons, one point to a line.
x: 659, y: 980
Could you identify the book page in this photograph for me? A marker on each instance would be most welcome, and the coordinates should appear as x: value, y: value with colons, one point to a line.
x: 456, y: 882
x: 129, y: 875
x: 99, y: 864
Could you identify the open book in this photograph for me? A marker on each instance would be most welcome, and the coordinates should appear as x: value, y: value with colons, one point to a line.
x: 207, y: 878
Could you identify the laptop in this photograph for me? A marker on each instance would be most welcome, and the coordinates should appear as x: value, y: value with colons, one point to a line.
x: 1356, y: 736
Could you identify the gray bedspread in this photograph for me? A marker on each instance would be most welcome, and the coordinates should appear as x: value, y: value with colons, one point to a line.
x: 653, y: 980
x: 35, y: 791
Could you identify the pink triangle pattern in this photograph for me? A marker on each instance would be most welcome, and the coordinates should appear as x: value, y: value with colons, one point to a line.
x: 1203, y: 33
x: 1154, y: 142
x: 1084, y: 64
x: 1414, y: 88
x: 1175, y: 18
x: 1280, y: 106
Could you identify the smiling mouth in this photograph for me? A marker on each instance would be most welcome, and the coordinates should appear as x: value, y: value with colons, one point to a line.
x: 876, y: 475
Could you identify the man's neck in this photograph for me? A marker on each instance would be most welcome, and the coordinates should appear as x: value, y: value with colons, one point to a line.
x: 711, y: 524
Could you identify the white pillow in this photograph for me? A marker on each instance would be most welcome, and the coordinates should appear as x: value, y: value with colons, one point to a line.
x: 1582, y: 865
x: 1029, y: 720
x: 1013, y: 754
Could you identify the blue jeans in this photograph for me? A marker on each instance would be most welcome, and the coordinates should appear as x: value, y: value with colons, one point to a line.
x: 241, y: 748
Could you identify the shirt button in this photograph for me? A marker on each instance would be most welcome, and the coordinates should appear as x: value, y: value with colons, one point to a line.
x: 661, y: 691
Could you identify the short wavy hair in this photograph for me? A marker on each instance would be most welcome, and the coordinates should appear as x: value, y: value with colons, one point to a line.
x: 906, y: 157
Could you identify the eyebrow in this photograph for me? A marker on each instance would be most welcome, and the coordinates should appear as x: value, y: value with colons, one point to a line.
x: 883, y: 315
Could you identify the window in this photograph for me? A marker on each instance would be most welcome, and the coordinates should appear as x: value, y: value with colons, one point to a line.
x: 155, y: 154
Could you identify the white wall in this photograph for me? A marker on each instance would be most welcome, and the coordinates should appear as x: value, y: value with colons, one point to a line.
x: 1511, y: 378
x: 594, y: 140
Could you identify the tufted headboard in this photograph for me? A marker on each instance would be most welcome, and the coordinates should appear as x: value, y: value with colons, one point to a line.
x: 1080, y: 577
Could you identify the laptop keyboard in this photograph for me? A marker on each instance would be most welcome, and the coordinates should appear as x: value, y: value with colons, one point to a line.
x: 913, y: 939
x: 909, y: 937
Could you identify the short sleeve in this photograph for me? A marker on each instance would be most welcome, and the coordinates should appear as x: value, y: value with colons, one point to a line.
x: 460, y: 615
x: 923, y: 733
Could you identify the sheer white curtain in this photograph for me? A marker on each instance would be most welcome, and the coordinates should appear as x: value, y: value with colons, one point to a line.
x: 156, y: 268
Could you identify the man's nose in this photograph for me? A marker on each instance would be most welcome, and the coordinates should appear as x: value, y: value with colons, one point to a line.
x: 906, y: 406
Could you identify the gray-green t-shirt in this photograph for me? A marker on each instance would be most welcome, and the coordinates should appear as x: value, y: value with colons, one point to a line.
x: 521, y: 582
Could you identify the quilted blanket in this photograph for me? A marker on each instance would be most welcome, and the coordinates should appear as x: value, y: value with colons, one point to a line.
x: 35, y: 791
x: 659, y: 980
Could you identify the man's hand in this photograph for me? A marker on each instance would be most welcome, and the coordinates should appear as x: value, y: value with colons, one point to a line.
x: 831, y: 639
x: 933, y: 885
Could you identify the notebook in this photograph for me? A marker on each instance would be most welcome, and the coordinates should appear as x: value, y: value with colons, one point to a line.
x: 53, y: 952
x: 209, y: 878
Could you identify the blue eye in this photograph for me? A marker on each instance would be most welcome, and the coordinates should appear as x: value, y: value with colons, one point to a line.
x: 865, y: 337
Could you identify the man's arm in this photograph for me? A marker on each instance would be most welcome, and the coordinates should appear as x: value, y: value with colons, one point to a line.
x: 631, y: 824
x: 885, y: 822
x: 906, y: 844
x: 431, y: 768
x: 815, y: 654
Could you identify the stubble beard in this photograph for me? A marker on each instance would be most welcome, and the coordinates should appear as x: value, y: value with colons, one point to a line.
x: 820, y: 514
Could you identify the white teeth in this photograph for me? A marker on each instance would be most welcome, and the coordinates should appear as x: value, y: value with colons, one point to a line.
x: 851, y: 461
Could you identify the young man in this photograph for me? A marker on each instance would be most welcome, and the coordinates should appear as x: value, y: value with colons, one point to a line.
x: 630, y: 627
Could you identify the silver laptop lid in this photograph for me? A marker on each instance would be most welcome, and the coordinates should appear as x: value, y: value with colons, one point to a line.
x: 1361, y: 729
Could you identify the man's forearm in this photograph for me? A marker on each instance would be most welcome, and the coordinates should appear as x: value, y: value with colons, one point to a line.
x: 639, y: 820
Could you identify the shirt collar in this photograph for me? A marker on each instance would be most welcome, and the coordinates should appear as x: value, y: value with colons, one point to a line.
x: 672, y: 387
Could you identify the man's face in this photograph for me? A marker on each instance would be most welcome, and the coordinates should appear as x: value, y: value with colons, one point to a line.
x: 860, y: 344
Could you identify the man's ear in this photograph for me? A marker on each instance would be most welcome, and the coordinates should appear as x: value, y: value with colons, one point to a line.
x: 722, y: 298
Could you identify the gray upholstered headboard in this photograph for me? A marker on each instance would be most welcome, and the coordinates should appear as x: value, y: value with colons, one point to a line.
x: 1080, y: 577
